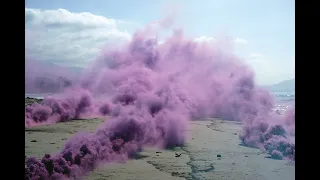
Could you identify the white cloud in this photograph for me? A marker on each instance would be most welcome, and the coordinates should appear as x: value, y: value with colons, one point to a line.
x: 204, y: 39
x: 256, y: 55
x: 240, y: 41
x: 212, y: 39
x: 69, y: 38
x: 62, y: 17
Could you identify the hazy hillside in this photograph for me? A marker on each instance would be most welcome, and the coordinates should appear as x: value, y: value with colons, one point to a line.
x: 283, y: 86
x: 46, y: 77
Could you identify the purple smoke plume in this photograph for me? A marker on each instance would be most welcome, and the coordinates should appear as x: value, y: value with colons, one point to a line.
x: 151, y: 91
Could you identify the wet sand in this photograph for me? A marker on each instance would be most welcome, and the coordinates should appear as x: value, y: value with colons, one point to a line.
x: 198, y: 160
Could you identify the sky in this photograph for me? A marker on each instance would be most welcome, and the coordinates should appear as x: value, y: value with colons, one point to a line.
x: 73, y: 32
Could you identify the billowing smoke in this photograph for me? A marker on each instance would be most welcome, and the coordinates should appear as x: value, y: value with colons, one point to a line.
x: 151, y: 91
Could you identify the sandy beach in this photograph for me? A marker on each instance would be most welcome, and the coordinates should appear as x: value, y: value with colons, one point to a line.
x: 207, y: 138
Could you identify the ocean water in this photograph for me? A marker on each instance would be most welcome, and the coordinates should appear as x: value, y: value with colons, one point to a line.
x: 37, y: 96
x: 283, y: 101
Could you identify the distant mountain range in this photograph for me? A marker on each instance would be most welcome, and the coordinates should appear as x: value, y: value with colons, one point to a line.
x: 47, y: 77
x: 283, y: 86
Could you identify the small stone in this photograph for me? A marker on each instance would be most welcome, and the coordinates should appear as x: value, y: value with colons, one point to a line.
x: 33, y: 140
x: 158, y: 152
x: 174, y: 174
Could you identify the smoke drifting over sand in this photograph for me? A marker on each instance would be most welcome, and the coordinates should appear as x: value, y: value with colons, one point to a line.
x: 151, y: 91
